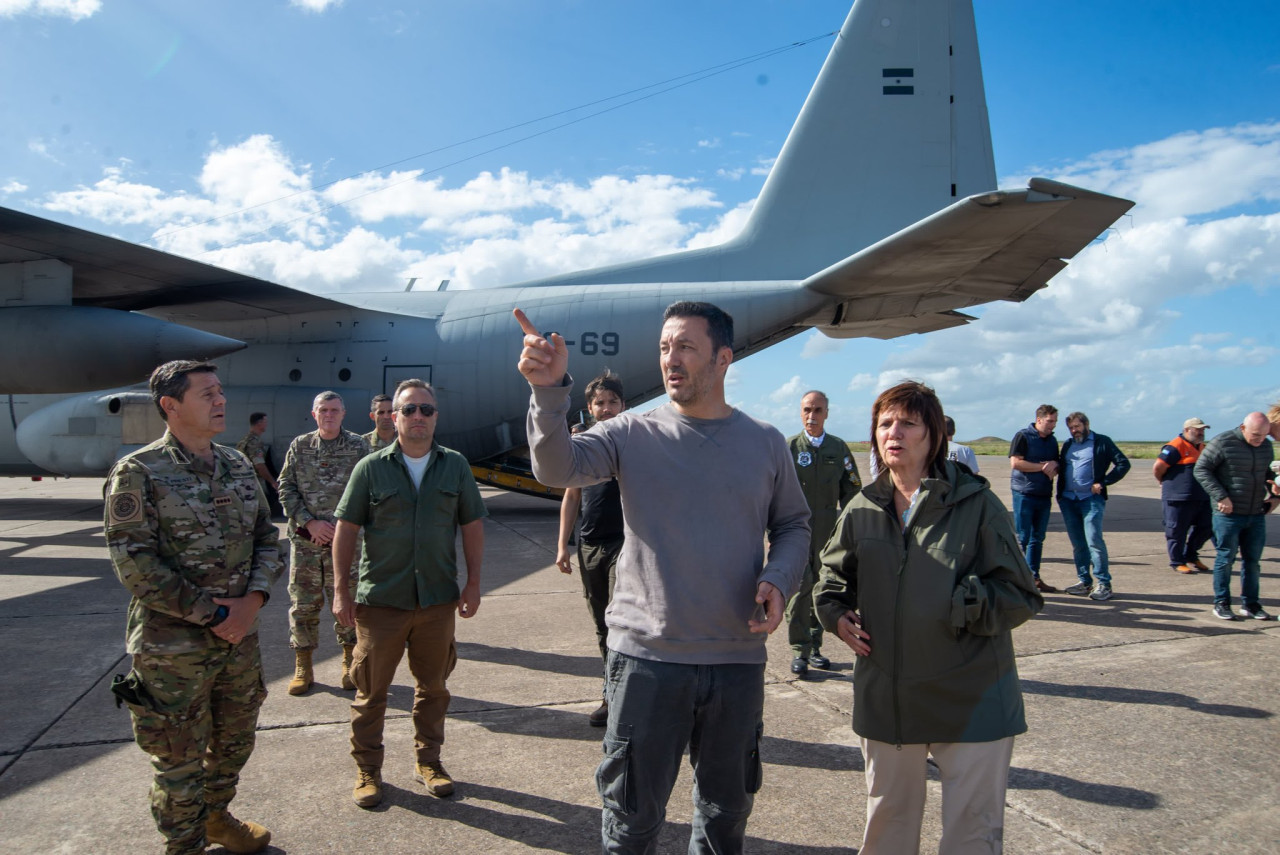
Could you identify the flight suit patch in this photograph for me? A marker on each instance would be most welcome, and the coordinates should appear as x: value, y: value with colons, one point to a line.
x: 848, y: 465
x: 222, y: 501
x: 804, y: 458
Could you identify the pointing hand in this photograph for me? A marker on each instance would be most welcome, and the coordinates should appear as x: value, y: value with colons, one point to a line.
x: 542, y: 362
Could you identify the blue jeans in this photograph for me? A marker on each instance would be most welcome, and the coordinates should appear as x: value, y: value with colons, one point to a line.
x: 1248, y: 534
x: 1083, y: 519
x: 656, y: 710
x: 1031, y: 520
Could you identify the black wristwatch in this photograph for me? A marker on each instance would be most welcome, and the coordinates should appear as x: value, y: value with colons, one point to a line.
x: 219, y: 615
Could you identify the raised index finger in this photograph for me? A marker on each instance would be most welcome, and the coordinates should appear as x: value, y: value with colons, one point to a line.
x: 525, y: 323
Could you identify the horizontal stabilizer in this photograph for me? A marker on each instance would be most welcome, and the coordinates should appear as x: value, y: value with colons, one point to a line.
x: 1004, y: 245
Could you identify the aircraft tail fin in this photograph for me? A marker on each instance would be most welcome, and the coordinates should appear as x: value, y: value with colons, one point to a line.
x: 894, y: 129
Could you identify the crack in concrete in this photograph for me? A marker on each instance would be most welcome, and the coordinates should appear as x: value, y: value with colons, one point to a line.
x: 69, y: 707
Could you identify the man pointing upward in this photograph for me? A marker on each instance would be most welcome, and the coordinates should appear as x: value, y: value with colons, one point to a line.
x: 694, y: 599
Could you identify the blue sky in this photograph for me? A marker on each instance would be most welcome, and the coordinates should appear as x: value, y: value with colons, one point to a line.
x: 146, y: 119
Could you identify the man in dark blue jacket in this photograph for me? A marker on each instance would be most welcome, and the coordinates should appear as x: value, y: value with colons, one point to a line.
x: 1089, y: 462
x: 1033, y: 459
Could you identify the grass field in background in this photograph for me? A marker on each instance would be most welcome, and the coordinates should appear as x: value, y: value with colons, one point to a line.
x: 989, y: 445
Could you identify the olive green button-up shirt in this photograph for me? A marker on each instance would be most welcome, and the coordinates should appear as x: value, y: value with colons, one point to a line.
x: 409, y: 558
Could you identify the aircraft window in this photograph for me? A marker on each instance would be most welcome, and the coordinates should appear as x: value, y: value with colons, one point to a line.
x: 113, y: 406
x: 344, y: 375
x: 295, y: 375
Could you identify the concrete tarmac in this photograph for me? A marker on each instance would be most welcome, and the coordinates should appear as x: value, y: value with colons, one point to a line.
x: 1153, y: 725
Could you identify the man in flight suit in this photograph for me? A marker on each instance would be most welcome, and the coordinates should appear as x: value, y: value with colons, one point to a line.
x: 829, y: 479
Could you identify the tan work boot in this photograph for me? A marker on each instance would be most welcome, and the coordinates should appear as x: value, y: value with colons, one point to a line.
x: 233, y: 835
x: 302, y: 675
x: 368, y: 789
x: 347, y: 651
x: 434, y: 777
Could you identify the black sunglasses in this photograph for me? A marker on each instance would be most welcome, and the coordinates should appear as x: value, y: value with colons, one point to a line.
x: 428, y: 410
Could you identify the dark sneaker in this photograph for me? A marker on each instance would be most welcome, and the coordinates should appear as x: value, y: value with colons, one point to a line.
x: 1079, y: 589
x: 800, y: 666
x: 1101, y: 591
x: 1199, y: 565
x: 1248, y: 611
x: 1223, y: 611
x: 817, y: 660
x: 1044, y: 587
x: 600, y: 715
x: 433, y: 776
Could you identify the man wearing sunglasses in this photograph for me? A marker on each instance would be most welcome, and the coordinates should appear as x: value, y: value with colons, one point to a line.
x: 410, y: 499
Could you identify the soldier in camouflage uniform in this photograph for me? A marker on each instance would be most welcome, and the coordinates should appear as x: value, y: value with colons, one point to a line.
x: 190, y: 537
x: 315, y: 472
x: 384, y: 421
x: 829, y: 479
x: 251, y: 447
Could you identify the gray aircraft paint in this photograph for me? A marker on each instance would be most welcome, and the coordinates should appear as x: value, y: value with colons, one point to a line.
x: 879, y: 217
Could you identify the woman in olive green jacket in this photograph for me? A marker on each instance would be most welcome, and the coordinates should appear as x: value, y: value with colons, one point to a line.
x: 924, y: 580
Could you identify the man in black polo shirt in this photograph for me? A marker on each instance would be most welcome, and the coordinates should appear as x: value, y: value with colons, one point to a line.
x: 600, y: 537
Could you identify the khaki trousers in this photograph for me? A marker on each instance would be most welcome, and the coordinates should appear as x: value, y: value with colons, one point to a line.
x: 382, y: 635
x: 974, y: 778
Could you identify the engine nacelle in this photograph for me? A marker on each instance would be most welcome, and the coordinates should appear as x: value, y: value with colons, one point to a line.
x: 60, y: 349
x: 85, y: 435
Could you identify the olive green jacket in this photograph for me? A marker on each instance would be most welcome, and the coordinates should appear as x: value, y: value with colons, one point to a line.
x: 939, y: 603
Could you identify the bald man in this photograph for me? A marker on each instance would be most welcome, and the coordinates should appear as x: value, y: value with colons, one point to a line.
x: 1235, y: 470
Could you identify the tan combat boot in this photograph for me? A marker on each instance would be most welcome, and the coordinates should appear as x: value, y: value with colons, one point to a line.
x: 368, y: 789
x: 347, y: 651
x: 233, y: 835
x: 302, y: 675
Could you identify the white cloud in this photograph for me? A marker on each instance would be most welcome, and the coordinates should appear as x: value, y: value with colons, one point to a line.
x: 763, y: 166
x: 816, y: 344
x: 13, y: 187
x: 860, y: 381
x: 76, y: 10
x: 1185, y: 175
x: 316, y: 6
x: 731, y: 174
x: 791, y: 390
x: 711, y: 143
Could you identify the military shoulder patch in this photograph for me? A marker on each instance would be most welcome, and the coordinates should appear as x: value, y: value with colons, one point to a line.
x: 124, y: 507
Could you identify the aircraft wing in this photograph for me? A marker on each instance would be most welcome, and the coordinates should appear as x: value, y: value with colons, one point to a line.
x: 114, y: 274
x: 993, y: 246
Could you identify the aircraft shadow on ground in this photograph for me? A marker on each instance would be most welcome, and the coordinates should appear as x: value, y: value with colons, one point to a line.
x: 538, y: 660
x: 1126, y: 695
x: 1187, y: 614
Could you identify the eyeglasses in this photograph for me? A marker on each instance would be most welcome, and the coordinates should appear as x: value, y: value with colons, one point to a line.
x: 428, y: 410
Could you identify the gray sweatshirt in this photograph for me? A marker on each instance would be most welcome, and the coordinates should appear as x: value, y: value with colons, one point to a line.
x: 698, y: 497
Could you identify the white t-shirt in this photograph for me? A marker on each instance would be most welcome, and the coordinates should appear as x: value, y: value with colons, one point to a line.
x: 417, y: 466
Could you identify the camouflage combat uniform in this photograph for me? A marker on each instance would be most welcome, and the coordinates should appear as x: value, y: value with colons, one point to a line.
x: 829, y: 479
x: 181, y: 533
x: 252, y: 447
x: 314, y: 474
x: 374, y: 442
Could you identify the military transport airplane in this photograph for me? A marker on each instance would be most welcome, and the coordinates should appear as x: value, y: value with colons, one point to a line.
x: 879, y: 218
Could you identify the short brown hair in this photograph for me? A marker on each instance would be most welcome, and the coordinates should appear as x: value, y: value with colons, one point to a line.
x: 1046, y: 410
x: 1078, y: 416
x: 172, y: 380
x: 916, y: 399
